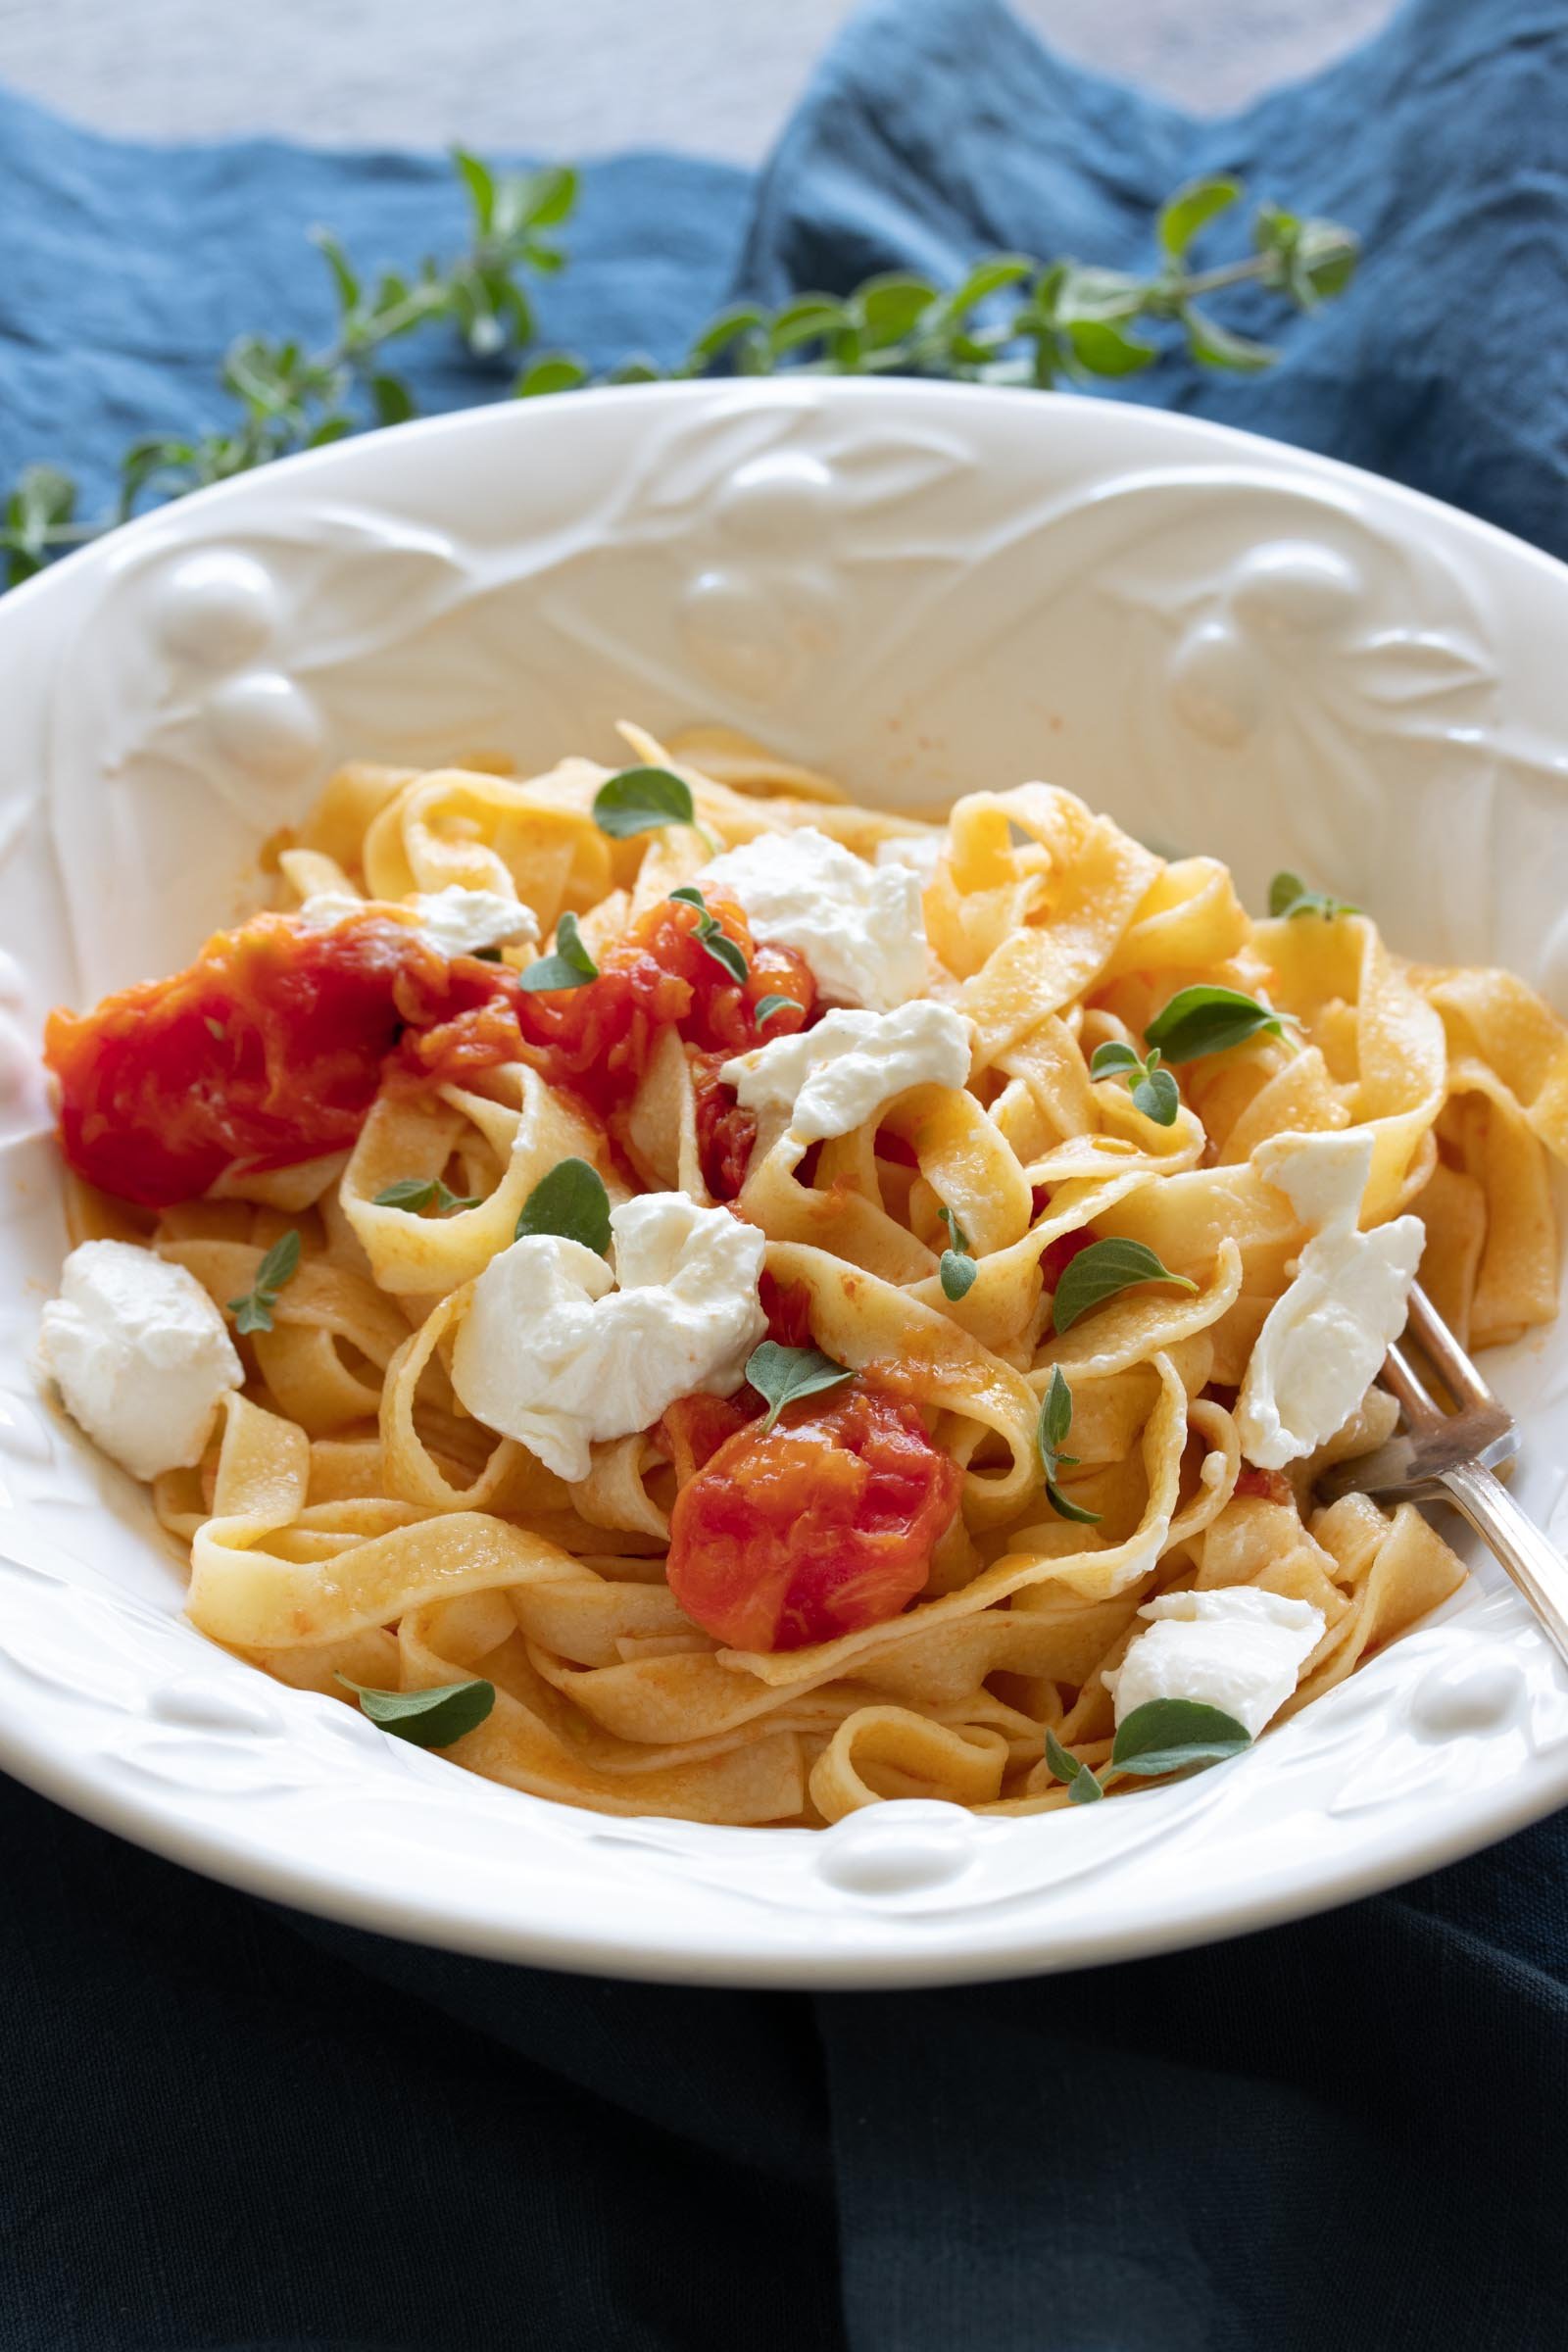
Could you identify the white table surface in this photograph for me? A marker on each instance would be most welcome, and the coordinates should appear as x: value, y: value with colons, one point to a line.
x: 573, y: 77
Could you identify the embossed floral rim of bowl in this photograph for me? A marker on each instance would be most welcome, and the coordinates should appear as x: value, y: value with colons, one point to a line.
x: 1233, y: 645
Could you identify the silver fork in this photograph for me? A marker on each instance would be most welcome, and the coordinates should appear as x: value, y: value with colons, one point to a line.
x: 1443, y: 1457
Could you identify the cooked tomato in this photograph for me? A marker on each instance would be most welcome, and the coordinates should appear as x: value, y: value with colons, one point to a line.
x: 596, y: 1039
x: 820, y: 1526
x: 1268, y: 1486
x: 269, y: 1049
x: 1057, y: 1255
x: 692, y: 1430
x: 725, y: 1133
x: 788, y: 1309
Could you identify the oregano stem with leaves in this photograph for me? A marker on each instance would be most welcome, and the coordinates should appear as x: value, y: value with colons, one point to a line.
x: 1011, y: 320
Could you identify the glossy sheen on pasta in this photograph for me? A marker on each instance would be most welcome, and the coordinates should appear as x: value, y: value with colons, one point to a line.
x: 353, y: 1520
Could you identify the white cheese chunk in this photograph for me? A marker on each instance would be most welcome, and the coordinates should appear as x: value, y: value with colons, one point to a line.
x: 860, y: 926
x: 1237, y: 1648
x: 557, y: 1351
x: 1323, y: 1342
x: 829, y: 1080
x: 142, y: 1356
x: 460, y: 922
x: 454, y: 921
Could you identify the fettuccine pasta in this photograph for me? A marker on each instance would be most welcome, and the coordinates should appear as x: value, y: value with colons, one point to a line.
x: 875, y: 1117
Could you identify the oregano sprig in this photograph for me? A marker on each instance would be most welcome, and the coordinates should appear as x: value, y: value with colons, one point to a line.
x: 1176, y: 1735
x: 253, y: 1312
x: 958, y: 1269
x: 1083, y: 1783
x: 1102, y: 1271
x: 572, y: 1201
x: 1052, y: 1432
x: 288, y: 397
x: 713, y: 940
x: 781, y: 1376
x: 1153, y: 1090
x: 1014, y: 320
x: 1011, y: 318
x: 417, y: 1194
x: 569, y: 967
x: 1164, y: 1736
x: 766, y: 1007
x: 1289, y: 895
x: 432, y: 1718
x: 1210, y: 1019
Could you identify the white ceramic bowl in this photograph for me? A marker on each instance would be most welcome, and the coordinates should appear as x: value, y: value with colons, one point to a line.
x: 1231, y: 646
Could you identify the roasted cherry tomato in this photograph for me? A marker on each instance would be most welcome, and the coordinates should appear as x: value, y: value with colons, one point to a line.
x: 272, y: 1047
x: 820, y: 1526
x: 267, y: 1050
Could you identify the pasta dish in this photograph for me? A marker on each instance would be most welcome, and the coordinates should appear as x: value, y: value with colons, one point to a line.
x: 691, y: 1296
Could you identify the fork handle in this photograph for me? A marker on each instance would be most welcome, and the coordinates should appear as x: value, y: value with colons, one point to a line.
x: 1535, y: 1566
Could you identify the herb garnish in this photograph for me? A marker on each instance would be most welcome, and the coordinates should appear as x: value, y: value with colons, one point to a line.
x: 1153, y: 1089
x: 1104, y: 1269
x: 781, y: 1376
x: 254, y: 1311
x: 1011, y: 320
x: 642, y: 799
x: 427, y: 1718
x: 1050, y: 1435
x: 1289, y: 895
x: 1083, y: 1787
x: 1163, y: 1735
x: 958, y: 1268
x: 572, y: 1201
x: 766, y: 1007
x: 1174, y: 1735
x: 716, y: 940
x: 414, y: 1193
x: 1209, y: 1021
x: 571, y: 966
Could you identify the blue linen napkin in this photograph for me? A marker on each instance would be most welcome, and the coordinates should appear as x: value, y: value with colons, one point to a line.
x: 225, y: 2124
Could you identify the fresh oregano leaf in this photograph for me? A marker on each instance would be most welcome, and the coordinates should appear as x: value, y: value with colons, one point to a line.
x: 641, y: 799
x: 781, y: 1376
x: 766, y: 1007
x: 427, y: 1718
x: 1102, y: 1271
x: 571, y: 966
x: 415, y: 1194
x: 1156, y: 1096
x: 958, y: 1269
x: 1173, y: 1735
x: 1209, y: 1021
x: 391, y: 398
x: 572, y: 1200
x: 1289, y: 895
x: 1104, y: 349
x: 1050, y: 1435
x: 1191, y: 208
x: 254, y: 1311
x: 713, y: 938
x: 1153, y: 1090
x: 1083, y: 1784
x: 958, y: 1272
x: 727, y: 954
